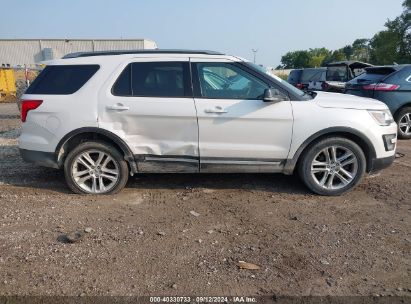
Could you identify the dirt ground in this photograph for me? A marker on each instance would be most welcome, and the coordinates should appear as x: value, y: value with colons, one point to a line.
x: 147, y: 241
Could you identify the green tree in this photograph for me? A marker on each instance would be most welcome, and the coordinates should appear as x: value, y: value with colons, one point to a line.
x: 337, y: 55
x: 295, y: 60
x: 394, y: 43
x: 361, y: 50
x: 348, y: 51
x: 384, y: 47
x: 317, y: 56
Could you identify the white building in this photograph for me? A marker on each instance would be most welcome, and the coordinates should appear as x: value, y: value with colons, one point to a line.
x: 30, y: 52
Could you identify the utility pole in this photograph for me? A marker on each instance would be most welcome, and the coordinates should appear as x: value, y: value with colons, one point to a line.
x: 255, y: 53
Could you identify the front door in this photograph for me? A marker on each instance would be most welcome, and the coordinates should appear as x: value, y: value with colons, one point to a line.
x: 149, y: 104
x: 238, y: 131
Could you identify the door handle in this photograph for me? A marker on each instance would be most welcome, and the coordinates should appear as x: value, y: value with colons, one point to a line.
x: 118, y: 107
x: 217, y: 109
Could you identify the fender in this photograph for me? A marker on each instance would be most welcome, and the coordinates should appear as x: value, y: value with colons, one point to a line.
x: 364, y: 144
x: 128, y: 155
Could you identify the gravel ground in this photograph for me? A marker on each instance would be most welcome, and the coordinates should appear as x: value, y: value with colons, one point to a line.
x: 184, y: 234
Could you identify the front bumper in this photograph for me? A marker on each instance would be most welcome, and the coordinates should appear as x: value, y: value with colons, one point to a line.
x: 381, y: 163
x: 40, y: 158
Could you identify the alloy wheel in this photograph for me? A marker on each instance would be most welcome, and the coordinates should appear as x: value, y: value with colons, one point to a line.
x: 95, y: 171
x: 334, y: 167
x: 405, y: 124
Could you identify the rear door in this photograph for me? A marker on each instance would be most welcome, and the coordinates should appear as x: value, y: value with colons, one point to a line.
x: 149, y: 104
x: 238, y: 131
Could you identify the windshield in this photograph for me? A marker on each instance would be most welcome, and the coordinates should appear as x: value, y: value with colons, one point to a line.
x: 288, y: 86
x: 311, y: 75
x: 337, y: 73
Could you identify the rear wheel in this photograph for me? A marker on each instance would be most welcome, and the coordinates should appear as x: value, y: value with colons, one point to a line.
x: 404, y: 123
x: 95, y: 168
x: 332, y: 166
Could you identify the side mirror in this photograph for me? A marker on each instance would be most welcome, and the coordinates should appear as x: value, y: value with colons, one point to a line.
x: 273, y: 95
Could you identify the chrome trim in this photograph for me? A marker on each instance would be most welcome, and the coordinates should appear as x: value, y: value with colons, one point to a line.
x: 171, y: 159
x: 189, y: 163
x: 240, y: 162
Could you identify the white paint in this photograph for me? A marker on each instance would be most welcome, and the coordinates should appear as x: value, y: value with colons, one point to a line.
x: 168, y: 126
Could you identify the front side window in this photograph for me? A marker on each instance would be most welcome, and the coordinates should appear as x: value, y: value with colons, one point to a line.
x: 153, y: 79
x: 227, y: 81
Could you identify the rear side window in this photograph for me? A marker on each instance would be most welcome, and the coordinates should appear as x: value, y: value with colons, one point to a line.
x: 154, y: 79
x: 294, y: 76
x: 62, y: 79
x: 402, y: 77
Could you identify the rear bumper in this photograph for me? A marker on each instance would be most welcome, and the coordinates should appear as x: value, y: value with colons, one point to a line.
x: 381, y: 163
x: 40, y: 158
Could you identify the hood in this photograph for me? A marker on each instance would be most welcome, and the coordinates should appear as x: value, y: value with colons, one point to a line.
x: 345, y: 101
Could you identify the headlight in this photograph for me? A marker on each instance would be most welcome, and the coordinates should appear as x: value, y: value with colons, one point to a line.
x: 382, y: 117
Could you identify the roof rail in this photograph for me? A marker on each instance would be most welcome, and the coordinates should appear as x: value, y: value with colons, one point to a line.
x: 153, y: 51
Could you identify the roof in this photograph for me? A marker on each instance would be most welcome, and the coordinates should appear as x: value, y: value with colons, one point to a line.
x: 352, y: 64
x: 387, y: 68
x: 154, y: 51
x: 393, y: 66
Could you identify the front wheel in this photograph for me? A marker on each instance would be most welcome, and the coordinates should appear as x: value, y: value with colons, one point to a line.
x: 404, y: 123
x: 95, y: 168
x: 332, y: 166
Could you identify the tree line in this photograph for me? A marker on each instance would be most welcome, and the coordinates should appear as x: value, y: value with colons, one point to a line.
x: 391, y: 45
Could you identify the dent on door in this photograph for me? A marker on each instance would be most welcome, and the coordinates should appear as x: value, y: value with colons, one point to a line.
x: 165, y: 142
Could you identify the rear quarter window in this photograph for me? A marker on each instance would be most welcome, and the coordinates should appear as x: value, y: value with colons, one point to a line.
x: 62, y: 79
x: 402, y: 77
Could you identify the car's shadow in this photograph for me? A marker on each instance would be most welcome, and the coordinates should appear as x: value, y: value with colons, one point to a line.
x: 14, y: 172
x: 246, y: 181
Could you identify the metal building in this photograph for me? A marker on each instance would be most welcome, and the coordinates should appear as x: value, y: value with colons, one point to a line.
x: 30, y: 52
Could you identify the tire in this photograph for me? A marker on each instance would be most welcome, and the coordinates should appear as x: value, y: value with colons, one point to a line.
x: 317, y: 176
x: 403, y: 120
x: 95, y: 168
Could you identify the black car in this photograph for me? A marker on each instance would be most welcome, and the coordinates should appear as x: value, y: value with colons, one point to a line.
x: 391, y: 85
x: 300, y: 78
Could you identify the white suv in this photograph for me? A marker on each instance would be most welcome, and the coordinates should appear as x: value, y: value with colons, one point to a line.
x: 103, y: 116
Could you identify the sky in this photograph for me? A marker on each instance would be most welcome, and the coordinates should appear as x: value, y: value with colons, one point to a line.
x: 235, y: 27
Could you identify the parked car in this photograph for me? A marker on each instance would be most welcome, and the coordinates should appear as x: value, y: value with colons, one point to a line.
x: 338, y: 73
x: 316, y: 82
x: 103, y: 116
x: 391, y: 85
x: 300, y: 78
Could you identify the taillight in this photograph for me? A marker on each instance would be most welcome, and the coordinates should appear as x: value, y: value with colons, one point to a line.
x: 27, y: 105
x: 381, y: 87
x: 300, y: 85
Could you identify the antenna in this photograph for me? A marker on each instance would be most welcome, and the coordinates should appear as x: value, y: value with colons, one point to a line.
x: 254, y: 53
